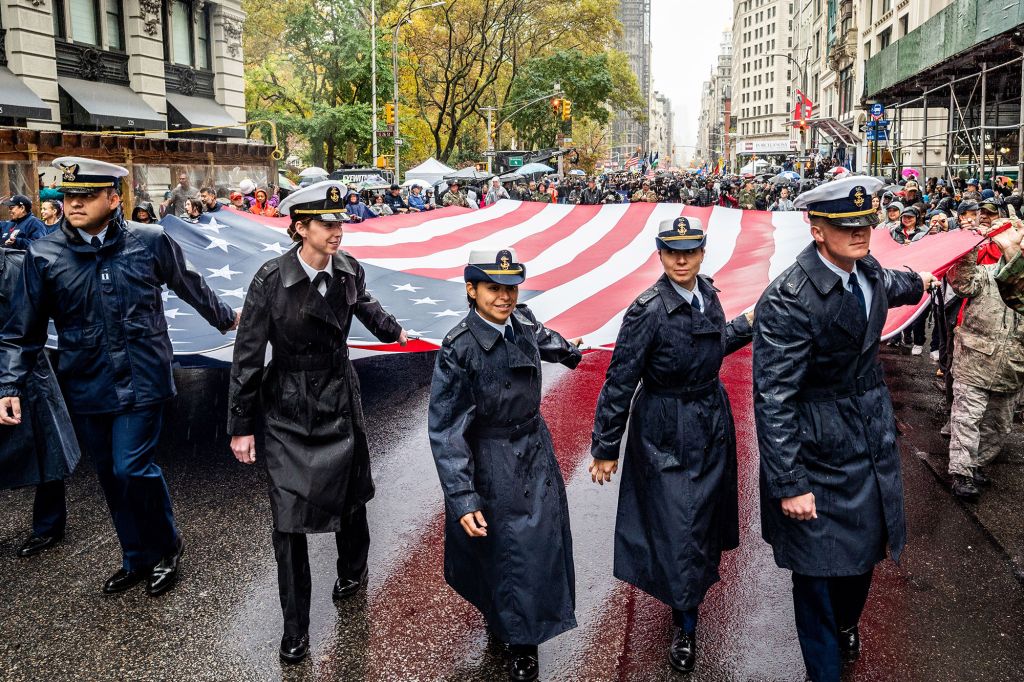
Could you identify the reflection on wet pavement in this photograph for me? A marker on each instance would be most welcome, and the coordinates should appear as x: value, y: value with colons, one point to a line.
x: 951, y: 611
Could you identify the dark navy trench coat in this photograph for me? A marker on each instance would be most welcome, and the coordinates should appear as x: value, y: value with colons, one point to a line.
x: 107, y: 306
x: 678, y: 506
x: 316, y: 448
x: 43, y: 447
x: 825, y: 421
x: 494, y: 454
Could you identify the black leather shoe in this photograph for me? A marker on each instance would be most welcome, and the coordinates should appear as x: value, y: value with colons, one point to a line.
x: 981, y: 478
x: 683, y: 652
x: 294, y: 649
x: 343, y: 589
x: 37, y: 543
x: 123, y: 580
x: 165, y: 574
x: 849, y: 643
x: 524, y: 666
x: 965, y: 488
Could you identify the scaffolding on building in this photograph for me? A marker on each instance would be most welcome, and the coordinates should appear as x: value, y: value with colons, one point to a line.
x: 953, y: 95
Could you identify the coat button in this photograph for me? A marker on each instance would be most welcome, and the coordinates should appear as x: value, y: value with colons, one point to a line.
x: 508, y: 384
x: 548, y: 483
x: 526, y: 493
x: 518, y: 454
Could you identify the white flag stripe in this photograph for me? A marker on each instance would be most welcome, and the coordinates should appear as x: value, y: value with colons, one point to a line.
x: 724, y: 227
x: 792, y: 234
x: 584, y: 237
x: 436, y: 227
x: 557, y: 300
x: 723, y: 230
x: 455, y: 257
x: 607, y: 333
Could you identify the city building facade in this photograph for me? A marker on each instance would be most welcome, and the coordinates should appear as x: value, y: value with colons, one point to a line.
x: 661, y: 142
x: 124, y: 65
x: 156, y: 86
x: 714, y: 126
x: 762, y: 73
x: 630, y: 135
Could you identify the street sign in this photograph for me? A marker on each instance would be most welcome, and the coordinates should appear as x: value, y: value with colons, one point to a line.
x: 877, y: 111
x: 877, y: 135
x: 515, y: 162
x: 871, y: 125
x: 385, y: 133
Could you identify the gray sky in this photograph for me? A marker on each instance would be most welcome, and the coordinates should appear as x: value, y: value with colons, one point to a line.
x: 685, y: 35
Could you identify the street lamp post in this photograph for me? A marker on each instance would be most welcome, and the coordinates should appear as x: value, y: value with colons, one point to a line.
x: 394, y: 76
x: 373, y: 75
x: 803, y: 87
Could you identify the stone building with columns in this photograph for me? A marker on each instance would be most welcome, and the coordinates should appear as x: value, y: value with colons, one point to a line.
x: 170, y: 72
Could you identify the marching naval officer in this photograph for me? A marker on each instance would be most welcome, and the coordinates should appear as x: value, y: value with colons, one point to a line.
x: 831, y: 489
x: 507, y: 543
x: 678, y: 506
x: 100, y: 278
x: 302, y: 304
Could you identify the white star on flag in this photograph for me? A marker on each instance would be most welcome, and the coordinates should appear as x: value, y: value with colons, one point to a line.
x: 174, y: 313
x: 224, y: 272
x: 426, y: 301
x: 406, y: 287
x: 448, y: 313
x: 212, y: 226
x: 274, y: 247
x: 166, y: 295
x: 415, y: 332
x: 218, y: 243
x: 237, y: 293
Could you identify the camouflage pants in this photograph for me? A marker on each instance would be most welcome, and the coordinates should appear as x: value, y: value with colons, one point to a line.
x: 979, y: 422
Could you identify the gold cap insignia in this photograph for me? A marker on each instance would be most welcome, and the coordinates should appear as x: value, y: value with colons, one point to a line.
x: 70, y: 172
x: 334, y: 194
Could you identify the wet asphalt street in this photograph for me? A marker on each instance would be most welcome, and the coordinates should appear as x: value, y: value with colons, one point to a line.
x: 952, y: 610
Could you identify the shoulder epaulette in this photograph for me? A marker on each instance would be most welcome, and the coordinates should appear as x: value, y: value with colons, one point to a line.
x: 456, y: 331
x: 648, y: 296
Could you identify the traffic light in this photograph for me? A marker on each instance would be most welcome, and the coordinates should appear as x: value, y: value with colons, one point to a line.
x: 566, y: 110
x: 556, y: 106
x: 389, y: 114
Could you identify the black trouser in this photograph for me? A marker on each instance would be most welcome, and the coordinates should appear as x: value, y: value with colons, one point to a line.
x: 914, y: 334
x: 823, y: 607
x: 947, y: 315
x: 293, y: 577
x: 49, y: 510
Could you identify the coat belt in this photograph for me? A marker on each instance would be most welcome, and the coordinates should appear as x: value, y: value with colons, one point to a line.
x: 859, y: 386
x: 312, y: 361
x: 686, y: 393
x: 505, y: 432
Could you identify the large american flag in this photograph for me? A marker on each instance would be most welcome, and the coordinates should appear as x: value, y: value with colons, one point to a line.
x: 584, y: 264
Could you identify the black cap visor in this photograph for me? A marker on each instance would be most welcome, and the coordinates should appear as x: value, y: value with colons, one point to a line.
x: 680, y: 244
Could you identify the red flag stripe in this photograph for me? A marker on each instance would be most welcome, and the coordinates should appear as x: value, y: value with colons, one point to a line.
x: 622, y: 234
x: 453, y: 240
x: 530, y: 247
